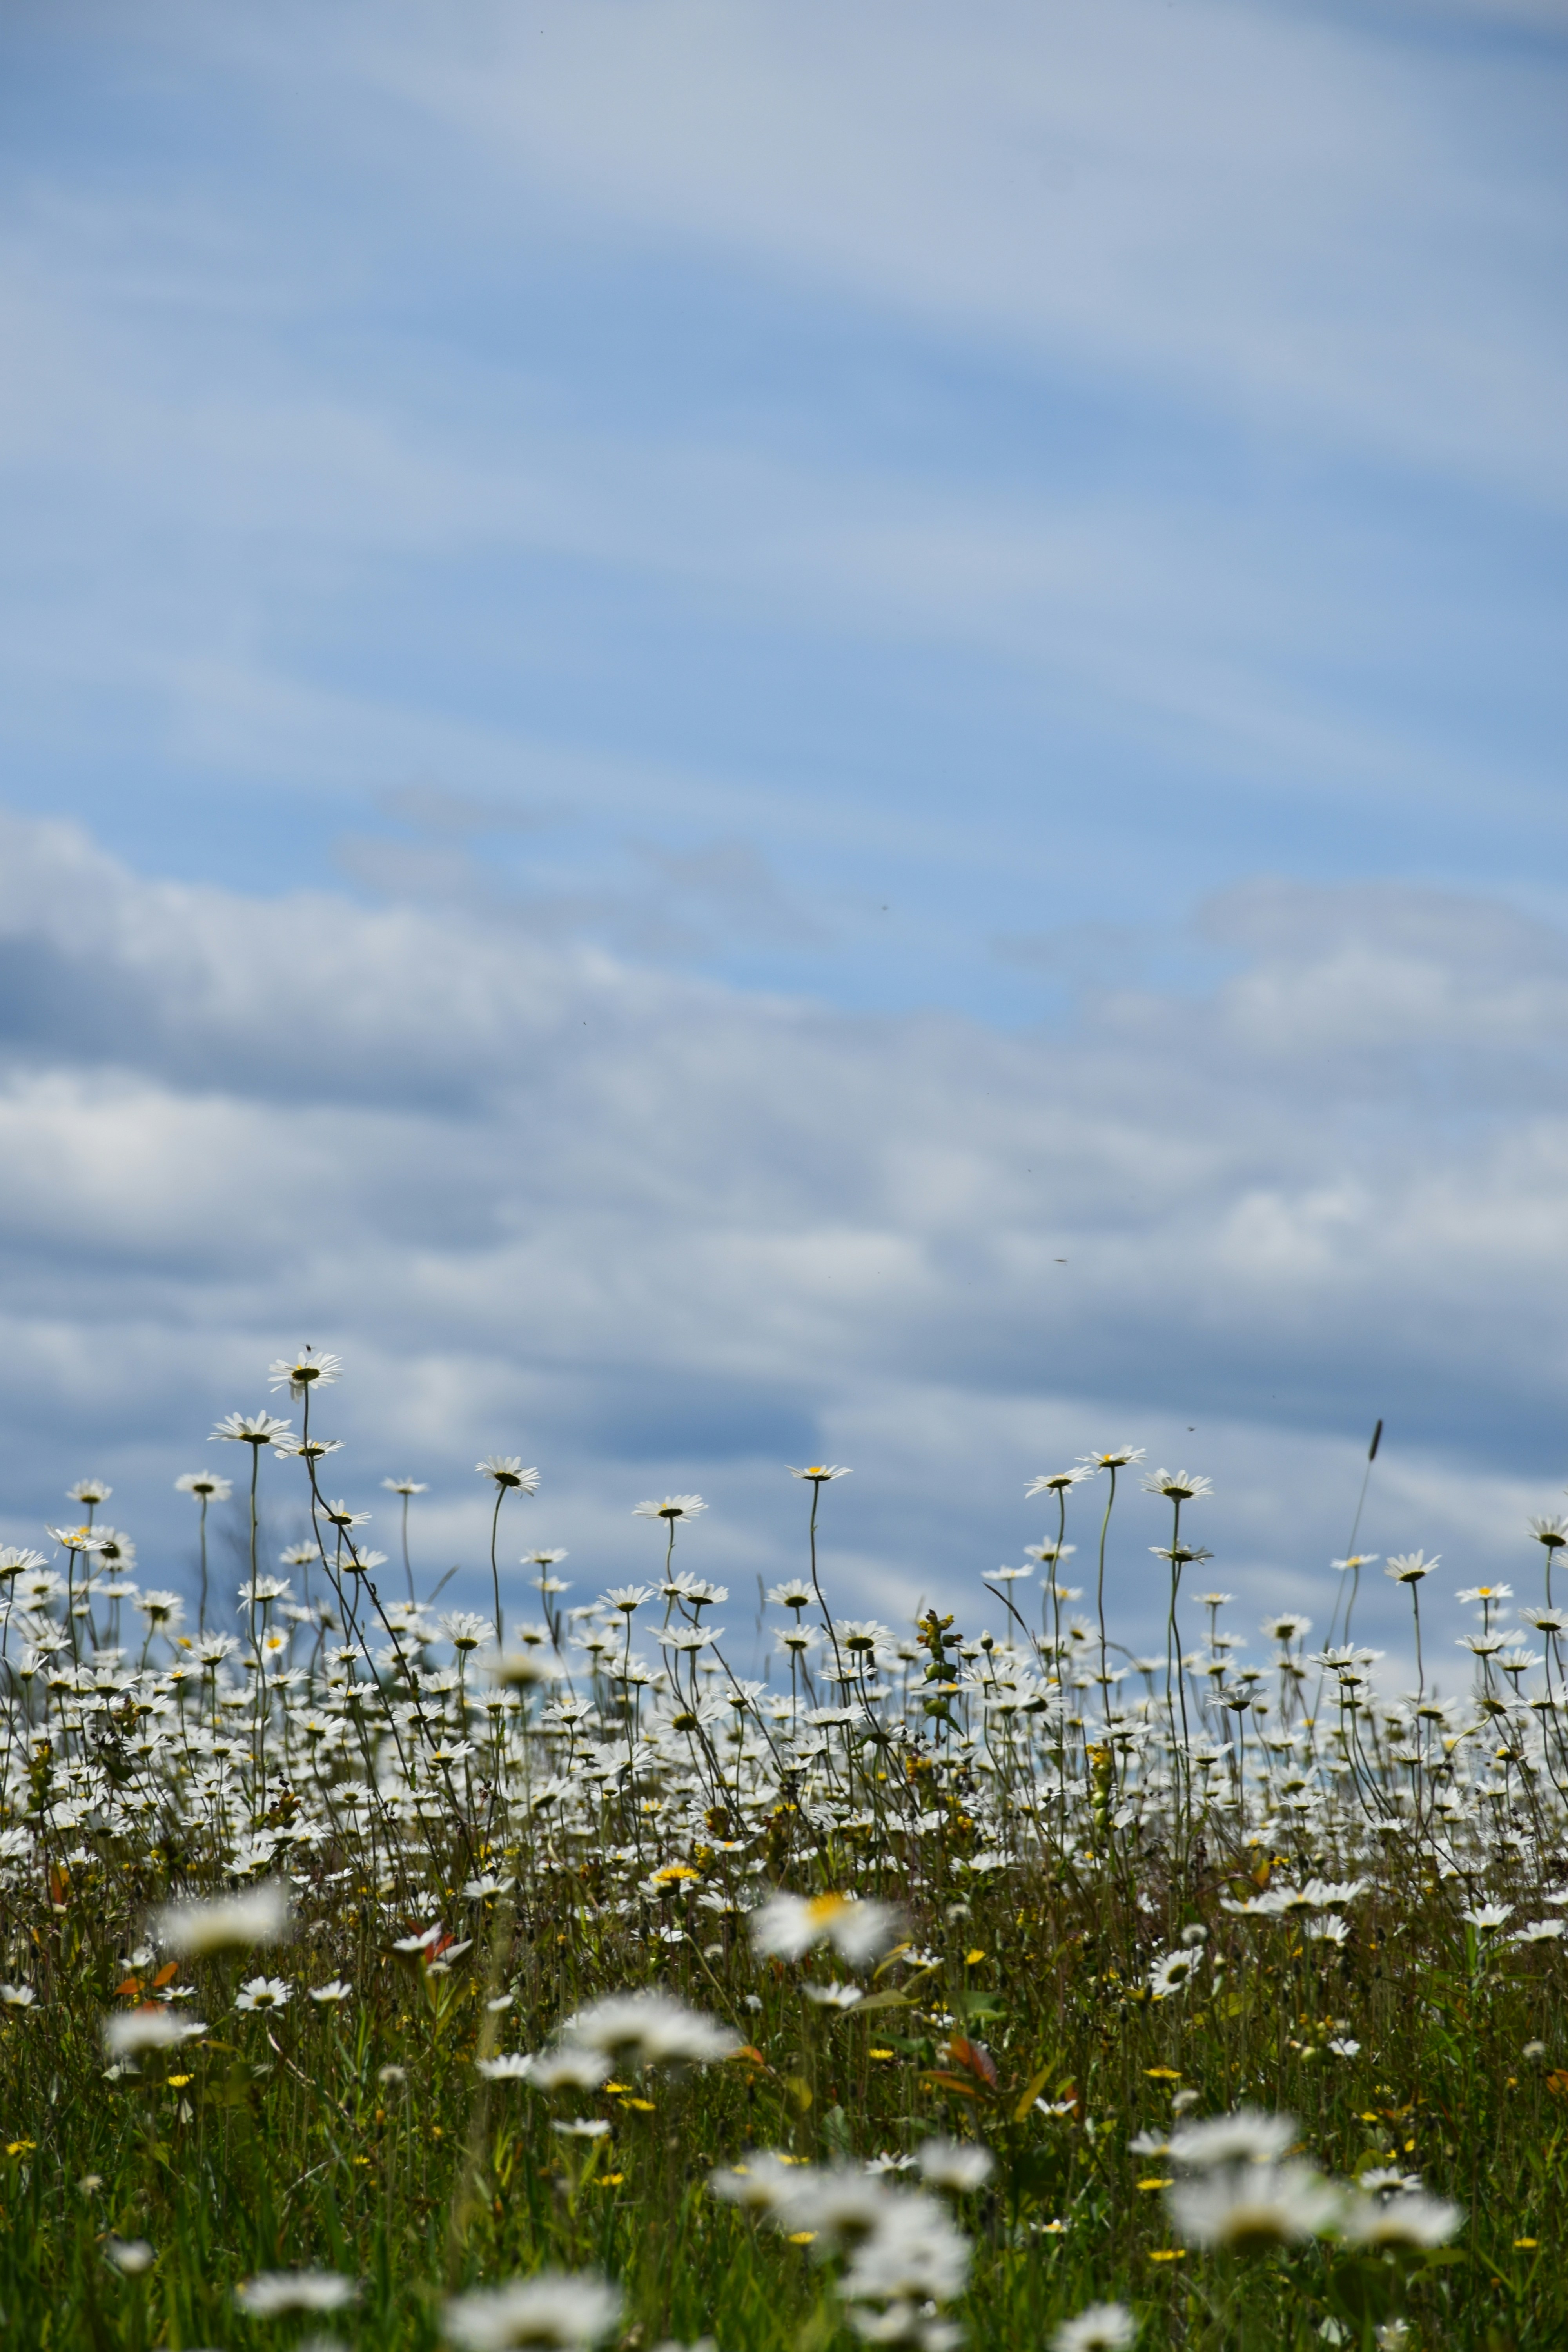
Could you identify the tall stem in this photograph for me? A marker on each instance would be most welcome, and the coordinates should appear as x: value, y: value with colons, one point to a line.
x: 494, y: 1572
x: 1174, y: 1660
x: 816, y: 1588
x: 255, y: 1635
x: 1099, y: 1598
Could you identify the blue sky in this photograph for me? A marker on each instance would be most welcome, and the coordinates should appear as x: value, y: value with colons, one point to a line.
x: 922, y: 652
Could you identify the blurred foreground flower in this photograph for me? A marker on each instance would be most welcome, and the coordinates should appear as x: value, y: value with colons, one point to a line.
x: 272, y: 2292
x: 789, y: 1925
x: 231, y: 1924
x: 555, y: 2312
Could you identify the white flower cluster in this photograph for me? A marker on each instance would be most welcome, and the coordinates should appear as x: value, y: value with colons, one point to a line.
x: 903, y: 2257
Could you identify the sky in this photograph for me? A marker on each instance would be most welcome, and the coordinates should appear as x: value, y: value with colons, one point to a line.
x: 736, y: 734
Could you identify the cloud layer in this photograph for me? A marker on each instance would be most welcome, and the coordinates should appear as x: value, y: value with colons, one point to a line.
x: 658, y: 1233
x: 1072, y: 455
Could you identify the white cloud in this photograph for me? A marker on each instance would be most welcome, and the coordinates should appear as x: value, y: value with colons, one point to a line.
x: 652, y: 1230
x: 298, y: 533
x: 1333, y: 220
x: 1158, y: 610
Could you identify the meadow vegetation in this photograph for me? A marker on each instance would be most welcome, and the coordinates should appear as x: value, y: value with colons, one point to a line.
x: 376, y: 1975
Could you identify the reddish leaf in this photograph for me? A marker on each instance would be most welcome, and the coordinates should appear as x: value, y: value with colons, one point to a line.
x: 976, y: 2057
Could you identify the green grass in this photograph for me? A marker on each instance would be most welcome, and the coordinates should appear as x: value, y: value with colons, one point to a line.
x: 289, y: 2145
x: 1043, y: 1841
